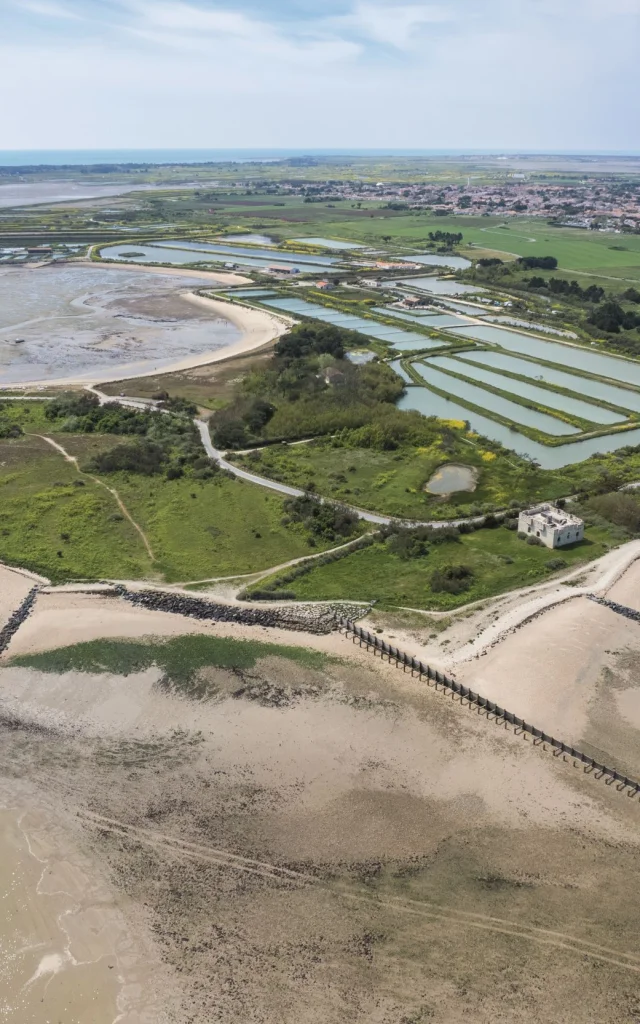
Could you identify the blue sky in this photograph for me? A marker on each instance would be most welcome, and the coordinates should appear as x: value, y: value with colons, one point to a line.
x: 483, y: 74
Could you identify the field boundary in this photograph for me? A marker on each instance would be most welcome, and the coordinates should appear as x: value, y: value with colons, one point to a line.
x: 406, y: 660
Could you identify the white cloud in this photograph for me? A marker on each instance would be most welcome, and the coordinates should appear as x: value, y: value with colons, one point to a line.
x: 397, y: 25
x: 48, y: 10
x: 528, y: 74
x: 181, y: 26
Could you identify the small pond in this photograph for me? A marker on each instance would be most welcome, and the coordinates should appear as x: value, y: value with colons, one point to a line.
x: 440, y: 286
x: 328, y: 243
x: 248, y: 239
x: 455, y: 262
x: 451, y: 478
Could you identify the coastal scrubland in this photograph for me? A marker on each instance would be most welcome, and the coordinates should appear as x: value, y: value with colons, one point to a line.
x: 65, y: 520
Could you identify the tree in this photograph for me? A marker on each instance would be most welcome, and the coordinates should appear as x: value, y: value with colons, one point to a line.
x: 538, y: 262
x: 231, y: 434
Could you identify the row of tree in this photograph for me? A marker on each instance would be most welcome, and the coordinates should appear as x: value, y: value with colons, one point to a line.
x: 569, y: 289
x: 446, y: 237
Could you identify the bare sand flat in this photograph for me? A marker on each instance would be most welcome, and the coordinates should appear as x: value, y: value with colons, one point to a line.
x: 627, y: 589
x: 14, y: 587
x: 575, y: 672
x: 329, y: 844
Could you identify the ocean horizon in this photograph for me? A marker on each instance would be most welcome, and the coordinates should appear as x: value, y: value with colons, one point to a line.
x: 92, y: 157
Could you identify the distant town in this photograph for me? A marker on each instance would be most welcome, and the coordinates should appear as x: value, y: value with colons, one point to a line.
x: 597, y: 203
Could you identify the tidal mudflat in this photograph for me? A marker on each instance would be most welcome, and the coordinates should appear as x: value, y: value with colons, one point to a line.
x: 85, y: 322
x: 307, y: 835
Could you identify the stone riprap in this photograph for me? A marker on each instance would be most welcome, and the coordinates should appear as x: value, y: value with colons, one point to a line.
x: 14, y: 622
x: 312, y: 618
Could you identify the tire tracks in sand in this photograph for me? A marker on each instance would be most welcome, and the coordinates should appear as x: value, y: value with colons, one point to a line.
x: 419, y: 908
x: 112, y: 491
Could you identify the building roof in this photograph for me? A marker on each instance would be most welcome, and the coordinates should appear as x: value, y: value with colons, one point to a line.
x: 550, y: 515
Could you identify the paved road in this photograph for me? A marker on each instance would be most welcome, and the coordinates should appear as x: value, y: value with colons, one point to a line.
x: 295, y: 492
x: 275, y: 485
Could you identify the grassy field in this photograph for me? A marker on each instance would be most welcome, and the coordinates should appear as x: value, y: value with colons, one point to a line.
x: 575, y: 249
x: 52, y: 526
x: 64, y: 525
x: 500, y: 561
x: 393, y: 482
x: 201, y: 529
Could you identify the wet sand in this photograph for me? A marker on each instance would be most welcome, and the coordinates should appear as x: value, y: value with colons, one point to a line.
x: 337, y: 845
x: 332, y: 845
x: 68, y: 953
x: 128, y: 324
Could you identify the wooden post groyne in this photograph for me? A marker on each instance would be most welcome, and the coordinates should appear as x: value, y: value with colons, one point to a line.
x: 406, y: 661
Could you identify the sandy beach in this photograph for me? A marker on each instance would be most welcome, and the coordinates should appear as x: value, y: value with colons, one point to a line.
x: 94, y: 326
x: 258, y: 327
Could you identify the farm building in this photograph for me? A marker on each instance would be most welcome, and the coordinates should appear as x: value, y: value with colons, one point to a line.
x: 286, y: 271
x: 553, y: 526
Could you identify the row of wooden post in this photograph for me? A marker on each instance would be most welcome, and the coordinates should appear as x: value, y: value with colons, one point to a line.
x: 407, y: 661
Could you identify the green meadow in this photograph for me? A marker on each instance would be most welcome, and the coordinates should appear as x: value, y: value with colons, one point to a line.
x: 498, y: 560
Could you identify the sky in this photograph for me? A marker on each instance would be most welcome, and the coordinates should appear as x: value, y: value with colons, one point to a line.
x: 551, y: 75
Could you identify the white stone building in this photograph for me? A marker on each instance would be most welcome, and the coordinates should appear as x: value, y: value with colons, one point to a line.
x: 553, y: 526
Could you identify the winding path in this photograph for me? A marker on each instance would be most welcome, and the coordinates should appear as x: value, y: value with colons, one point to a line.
x: 296, y: 492
x: 112, y: 491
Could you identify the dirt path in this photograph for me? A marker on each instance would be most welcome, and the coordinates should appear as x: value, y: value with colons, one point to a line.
x: 112, y: 491
x: 263, y: 573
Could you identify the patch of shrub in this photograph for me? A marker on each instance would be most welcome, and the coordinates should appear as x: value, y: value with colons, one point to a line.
x: 179, y: 405
x: 452, y: 579
x: 142, y: 457
x: 321, y: 518
x: 555, y: 563
x: 621, y: 508
x: 230, y: 434
x: 8, y: 430
x: 414, y: 542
